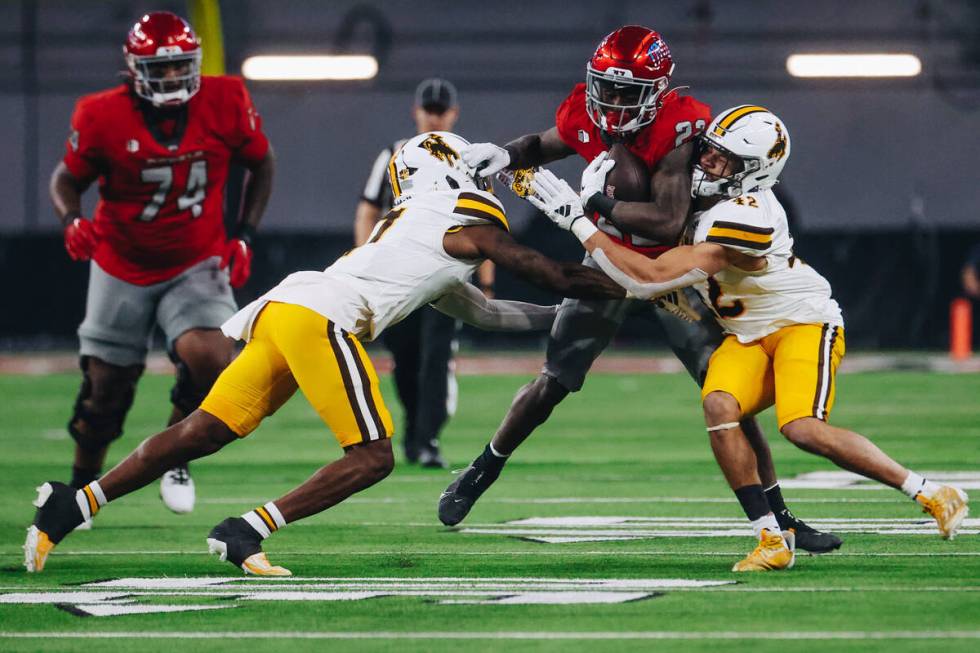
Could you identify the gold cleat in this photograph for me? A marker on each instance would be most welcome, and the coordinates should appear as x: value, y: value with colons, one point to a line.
x: 258, y: 565
x: 948, y: 507
x: 775, y: 551
x: 37, y: 546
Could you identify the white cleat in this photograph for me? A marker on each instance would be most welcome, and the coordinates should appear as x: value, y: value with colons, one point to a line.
x: 177, y: 490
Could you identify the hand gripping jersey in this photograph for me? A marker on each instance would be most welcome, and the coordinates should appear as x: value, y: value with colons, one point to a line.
x: 679, y: 119
x: 401, y: 267
x: 160, y: 206
x: 752, y: 305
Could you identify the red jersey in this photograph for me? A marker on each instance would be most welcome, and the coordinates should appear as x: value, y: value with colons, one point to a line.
x: 160, y: 208
x: 679, y: 119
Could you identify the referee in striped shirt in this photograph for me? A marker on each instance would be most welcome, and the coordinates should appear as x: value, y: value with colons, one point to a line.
x: 422, y: 344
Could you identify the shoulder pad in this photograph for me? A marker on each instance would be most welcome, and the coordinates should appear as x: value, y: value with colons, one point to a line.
x: 483, y: 205
x: 741, y: 223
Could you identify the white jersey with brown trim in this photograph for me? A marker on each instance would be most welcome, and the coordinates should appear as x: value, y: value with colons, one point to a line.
x: 401, y: 267
x: 787, y: 291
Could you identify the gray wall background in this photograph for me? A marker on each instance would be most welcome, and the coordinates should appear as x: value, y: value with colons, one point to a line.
x: 867, y: 154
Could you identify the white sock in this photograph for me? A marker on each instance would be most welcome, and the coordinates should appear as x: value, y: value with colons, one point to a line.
x: 497, y: 453
x: 915, y: 485
x: 266, y: 519
x: 768, y: 522
x: 90, y: 499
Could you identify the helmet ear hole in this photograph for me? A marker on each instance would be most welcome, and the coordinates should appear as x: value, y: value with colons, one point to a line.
x: 452, y: 183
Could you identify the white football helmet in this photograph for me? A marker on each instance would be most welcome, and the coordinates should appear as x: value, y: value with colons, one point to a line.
x: 431, y: 162
x: 746, y: 133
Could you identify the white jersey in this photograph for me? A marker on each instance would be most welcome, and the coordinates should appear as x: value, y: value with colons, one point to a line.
x: 401, y: 267
x: 787, y: 291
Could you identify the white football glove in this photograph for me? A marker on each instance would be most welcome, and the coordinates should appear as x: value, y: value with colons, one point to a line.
x: 485, y: 158
x: 555, y: 198
x: 594, y: 176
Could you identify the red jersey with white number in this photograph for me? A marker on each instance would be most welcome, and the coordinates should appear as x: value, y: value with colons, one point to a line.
x: 679, y: 119
x: 160, y: 209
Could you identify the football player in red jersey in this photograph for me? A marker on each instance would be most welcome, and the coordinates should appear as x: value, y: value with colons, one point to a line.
x: 160, y: 146
x: 625, y: 99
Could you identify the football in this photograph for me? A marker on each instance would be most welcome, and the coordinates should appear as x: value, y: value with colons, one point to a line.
x: 629, y: 180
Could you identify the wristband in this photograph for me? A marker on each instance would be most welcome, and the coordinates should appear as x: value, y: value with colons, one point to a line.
x: 246, y: 233
x: 583, y: 229
x: 599, y: 203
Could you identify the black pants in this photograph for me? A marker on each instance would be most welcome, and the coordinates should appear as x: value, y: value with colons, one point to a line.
x: 422, y: 346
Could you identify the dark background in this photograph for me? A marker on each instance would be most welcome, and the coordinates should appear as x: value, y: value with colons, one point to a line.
x: 883, y: 176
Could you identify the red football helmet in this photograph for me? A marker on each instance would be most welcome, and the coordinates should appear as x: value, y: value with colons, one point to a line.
x: 626, y: 78
x: 164, y: 59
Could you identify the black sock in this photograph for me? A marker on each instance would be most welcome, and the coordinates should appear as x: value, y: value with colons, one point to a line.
x: 775, y: 498
x: 491, y: 462
x: 82, y: 477
x: 753, y: 501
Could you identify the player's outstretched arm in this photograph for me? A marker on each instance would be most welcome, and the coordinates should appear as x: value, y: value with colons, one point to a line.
x: 469, y: 304
x: 525, y: 152
x: 662, y: 218
x: 645, y: 278
x: 537, y: 149
x: 566, y: 279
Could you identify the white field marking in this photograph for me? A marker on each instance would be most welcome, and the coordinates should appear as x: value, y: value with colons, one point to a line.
x: 841, y: 480
x: 484, y: 591
x: 541, y: 500
x: 238, y: 583
x: 565, y: 530
x: 115, y: 610
x: 794, y: 635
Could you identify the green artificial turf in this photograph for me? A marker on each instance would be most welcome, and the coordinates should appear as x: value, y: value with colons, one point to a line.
x: 626, y: 446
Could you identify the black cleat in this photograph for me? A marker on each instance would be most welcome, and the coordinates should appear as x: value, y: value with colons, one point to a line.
x: 458, y: 499
x: 236, y: 541
x: 807, y: 538
x: 58, y: 513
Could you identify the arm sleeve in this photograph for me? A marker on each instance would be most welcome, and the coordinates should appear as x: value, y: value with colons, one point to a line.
x: 640, y: 290
x: 376, y: 187
x: 470, y: 305
x: 83, y: 152
x: 251, y: 144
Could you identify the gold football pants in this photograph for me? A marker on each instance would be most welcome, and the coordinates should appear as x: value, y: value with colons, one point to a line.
x: 795, y: 368
x: 292, y: 346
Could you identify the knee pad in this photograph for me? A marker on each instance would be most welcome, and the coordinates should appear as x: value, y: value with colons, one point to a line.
x: 102, y: 425
x: 186, y: 396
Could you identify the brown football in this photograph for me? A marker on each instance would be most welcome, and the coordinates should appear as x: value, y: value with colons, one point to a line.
x: 629, y: 180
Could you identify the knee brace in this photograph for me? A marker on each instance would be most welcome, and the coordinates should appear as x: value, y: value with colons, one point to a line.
x: 100, y: 425
x: 186, y: 396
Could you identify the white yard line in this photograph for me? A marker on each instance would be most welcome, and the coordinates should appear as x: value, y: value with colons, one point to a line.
x: 516, y: 635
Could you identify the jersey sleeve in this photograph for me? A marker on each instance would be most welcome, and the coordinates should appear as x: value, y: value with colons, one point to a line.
x: 482, y: 206
x: 84, y: 153
x: 248, y: 139
x: 568, y: 111
x: 740, y: 224
x: 376, y: 189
